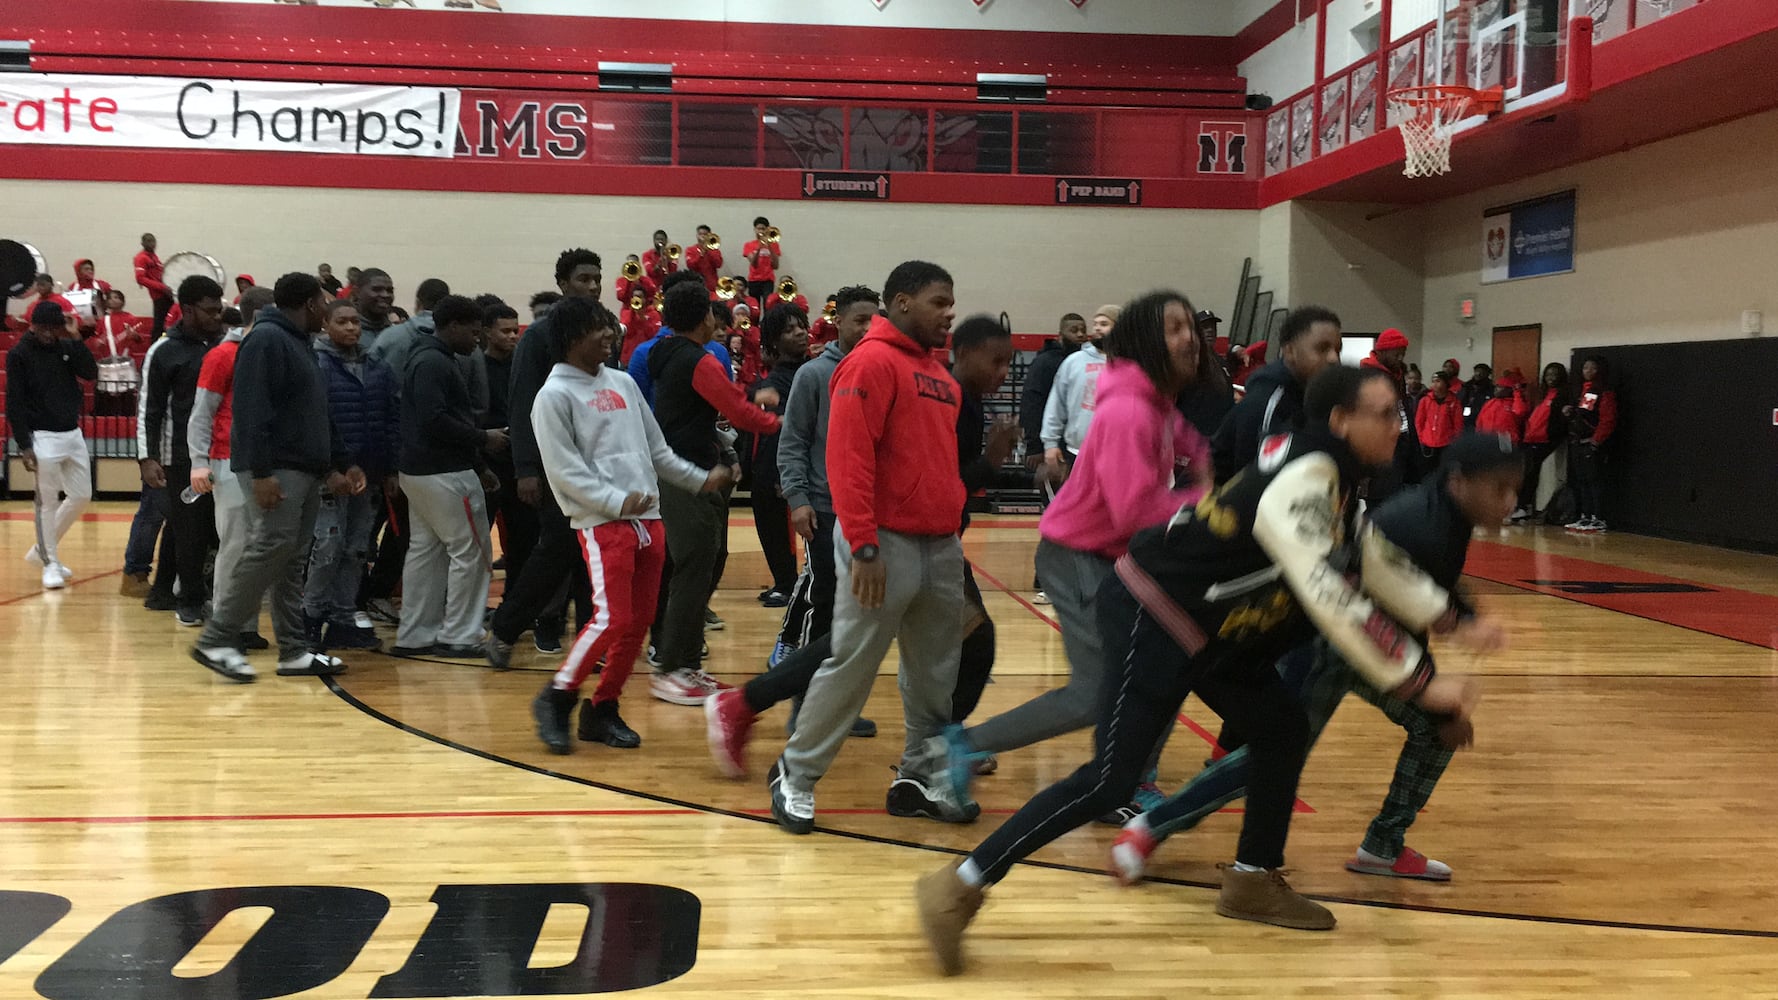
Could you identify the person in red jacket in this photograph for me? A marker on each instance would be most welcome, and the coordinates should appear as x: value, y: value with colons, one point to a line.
x: 1594, y: 417
x: 1438, y: 419
x: 898, y: 561
x: 777, y: 298
x: 148, y: 275
x: 762, y: 256
x: 705, y: 260
x: 45, y: 287
x: 656, y: 264
x: 1389, y: 355
x: 1545, y: 427
x: 86, y: 282
x: 640, y: 321
x: 823, y: 330
x: 1505, y: 413
x: 627, y: 288
x: 130, y: 335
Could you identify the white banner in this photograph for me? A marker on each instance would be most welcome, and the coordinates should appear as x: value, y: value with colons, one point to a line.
x: 195, y: 114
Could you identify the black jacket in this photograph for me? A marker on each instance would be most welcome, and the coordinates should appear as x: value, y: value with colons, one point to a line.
x: 438, y: 425
x: 1273, y: 404
x: 282, y: 418
x: 170, y: 386
x: 43, y: 387
x: 762, y: 452
x: 1279, y: 553
x: 1475, y: 395
x: 687, y: 419
x: 1205, y: 407
x: 499, y: 393
x: 1040, y: 377
x: 531, y: 365
x: 1424, y: 522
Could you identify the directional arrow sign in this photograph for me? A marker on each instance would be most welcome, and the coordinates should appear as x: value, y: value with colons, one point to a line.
x: 1098, y: 191
x: 845, y: 185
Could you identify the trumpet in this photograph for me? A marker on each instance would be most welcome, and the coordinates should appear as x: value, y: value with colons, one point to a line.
x: 787, y: 289
x: 712, y: 242
x: 831, y: 310
x: 773, y: 234
x: 659, y: 297
x: 631, y: 270
x: 674, y: 251
x: 743, y: 324
x: 637, y: 301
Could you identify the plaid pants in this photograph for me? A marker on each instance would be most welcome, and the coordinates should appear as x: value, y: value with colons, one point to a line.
x: 1325, y: 683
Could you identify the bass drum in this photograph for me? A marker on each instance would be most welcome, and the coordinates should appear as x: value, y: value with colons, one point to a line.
x: 20, y: 264
x: 187, y: 263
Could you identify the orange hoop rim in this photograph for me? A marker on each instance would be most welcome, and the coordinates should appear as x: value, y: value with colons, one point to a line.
x: 1424, y: 99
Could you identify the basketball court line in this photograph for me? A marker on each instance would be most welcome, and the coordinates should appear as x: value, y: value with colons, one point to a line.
x: 1724, y: 612
x: 681, y: 804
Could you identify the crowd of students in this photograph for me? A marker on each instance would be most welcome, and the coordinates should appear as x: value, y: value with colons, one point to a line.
x: 1193, y: 543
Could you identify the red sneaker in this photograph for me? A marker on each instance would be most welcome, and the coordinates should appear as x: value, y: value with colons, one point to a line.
x: 1130, y: 852
x: 727, y: 723
x: 1410, y: 864
x: 710, y: 683
x: 681, y: 687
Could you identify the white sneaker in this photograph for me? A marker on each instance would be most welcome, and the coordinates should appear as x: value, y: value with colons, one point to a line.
x: 1596, y: 524
x: 681, y: 687
x: 1040, y: 598
x: 53, y: 578
x: 363, y: 622
x: 1577, y: 525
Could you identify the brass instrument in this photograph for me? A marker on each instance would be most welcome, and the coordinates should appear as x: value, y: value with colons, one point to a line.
x: 631, y: 270
x: 712, y: 242
x: 787, y: 289
x: 744, y: 324
x: 659, y: 297
x: 674, y: 251
x: 773, y: 234
x: 725, y: 288
x: 637, y: 301
x: 831, y: 310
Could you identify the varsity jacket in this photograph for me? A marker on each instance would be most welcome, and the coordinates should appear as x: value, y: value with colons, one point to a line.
x: 600, y: 442
x: 1278, y: 553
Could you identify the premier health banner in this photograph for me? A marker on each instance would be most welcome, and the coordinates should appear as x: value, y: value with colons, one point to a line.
x: 198, y: 114
x: 1529, y: 239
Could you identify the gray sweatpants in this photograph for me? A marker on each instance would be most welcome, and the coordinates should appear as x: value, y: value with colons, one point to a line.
x: 1071, y: 578
x: 230, y: 494
x: 922, y: 612
x: 271, y: 564
x: 444, y: 583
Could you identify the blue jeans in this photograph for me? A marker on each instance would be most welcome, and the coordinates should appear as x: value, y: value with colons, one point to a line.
x: 145, y: 529
x: 342, y: 547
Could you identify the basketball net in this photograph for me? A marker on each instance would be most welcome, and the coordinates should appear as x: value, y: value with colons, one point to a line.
x: 1428, y: 121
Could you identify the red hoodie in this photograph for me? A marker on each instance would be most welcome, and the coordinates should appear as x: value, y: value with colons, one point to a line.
x: 893, y: 413
x: 1596, y: 399
x: 1438, y: 421
x: 1501, y: 416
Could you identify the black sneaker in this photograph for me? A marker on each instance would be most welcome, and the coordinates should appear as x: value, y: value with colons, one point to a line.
x: 160, y: 600
x: 601, y: 724
x: 547, y: 639
x: 254, y: 641
x: 190, y: 617
x: 912, y: 797
x: 467, y: 651
x: 413, y: 650
x: 349, y: 637
x: 775, y: 599
x: 863, y: 729
x: 553, y: 709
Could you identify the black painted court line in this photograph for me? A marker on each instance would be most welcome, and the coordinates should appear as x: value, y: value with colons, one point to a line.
x: 352, y: 700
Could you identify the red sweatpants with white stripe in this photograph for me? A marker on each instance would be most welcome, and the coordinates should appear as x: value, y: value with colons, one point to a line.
x: 624, y: 560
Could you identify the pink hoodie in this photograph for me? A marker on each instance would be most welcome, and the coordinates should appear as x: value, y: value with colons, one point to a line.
x: 1123, y: 480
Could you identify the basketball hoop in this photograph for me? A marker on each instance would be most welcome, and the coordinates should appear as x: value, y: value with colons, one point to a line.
x: 1429, y: 117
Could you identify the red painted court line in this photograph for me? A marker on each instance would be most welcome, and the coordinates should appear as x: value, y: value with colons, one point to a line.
x: 1725, y: 612
x: 1008, y: 591
x: 71, y: 583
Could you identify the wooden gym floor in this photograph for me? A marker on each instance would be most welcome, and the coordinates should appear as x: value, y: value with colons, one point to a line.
x: 1610, y: 832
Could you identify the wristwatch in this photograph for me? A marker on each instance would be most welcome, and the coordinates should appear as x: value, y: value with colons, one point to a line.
x: 865, y: 553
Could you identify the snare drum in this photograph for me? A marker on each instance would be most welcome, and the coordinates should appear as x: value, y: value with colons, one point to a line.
x: 20, y: 264
x: 187, y: 263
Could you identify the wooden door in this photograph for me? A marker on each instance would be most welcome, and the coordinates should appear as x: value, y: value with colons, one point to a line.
x: 1518, y: 347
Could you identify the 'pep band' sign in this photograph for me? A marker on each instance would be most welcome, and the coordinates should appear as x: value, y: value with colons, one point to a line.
x: 194, y: 114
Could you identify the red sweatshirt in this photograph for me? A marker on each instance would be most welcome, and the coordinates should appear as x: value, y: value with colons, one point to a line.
x: 706, y: 262
x: 1596, y: 399
x: 1537, y: 422
x: 1439, y: 422
x: 148, y: 275
x: 801, y: 302
x: 639, y: 327
x: 626, y: 288
x: 1500, y: 416
x: 657, y: 265
x: 893, y: 413
x: 766, y: 267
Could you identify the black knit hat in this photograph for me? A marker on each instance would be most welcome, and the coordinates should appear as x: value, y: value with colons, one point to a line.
x: 1477, y: 451
x: 46, y: 314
